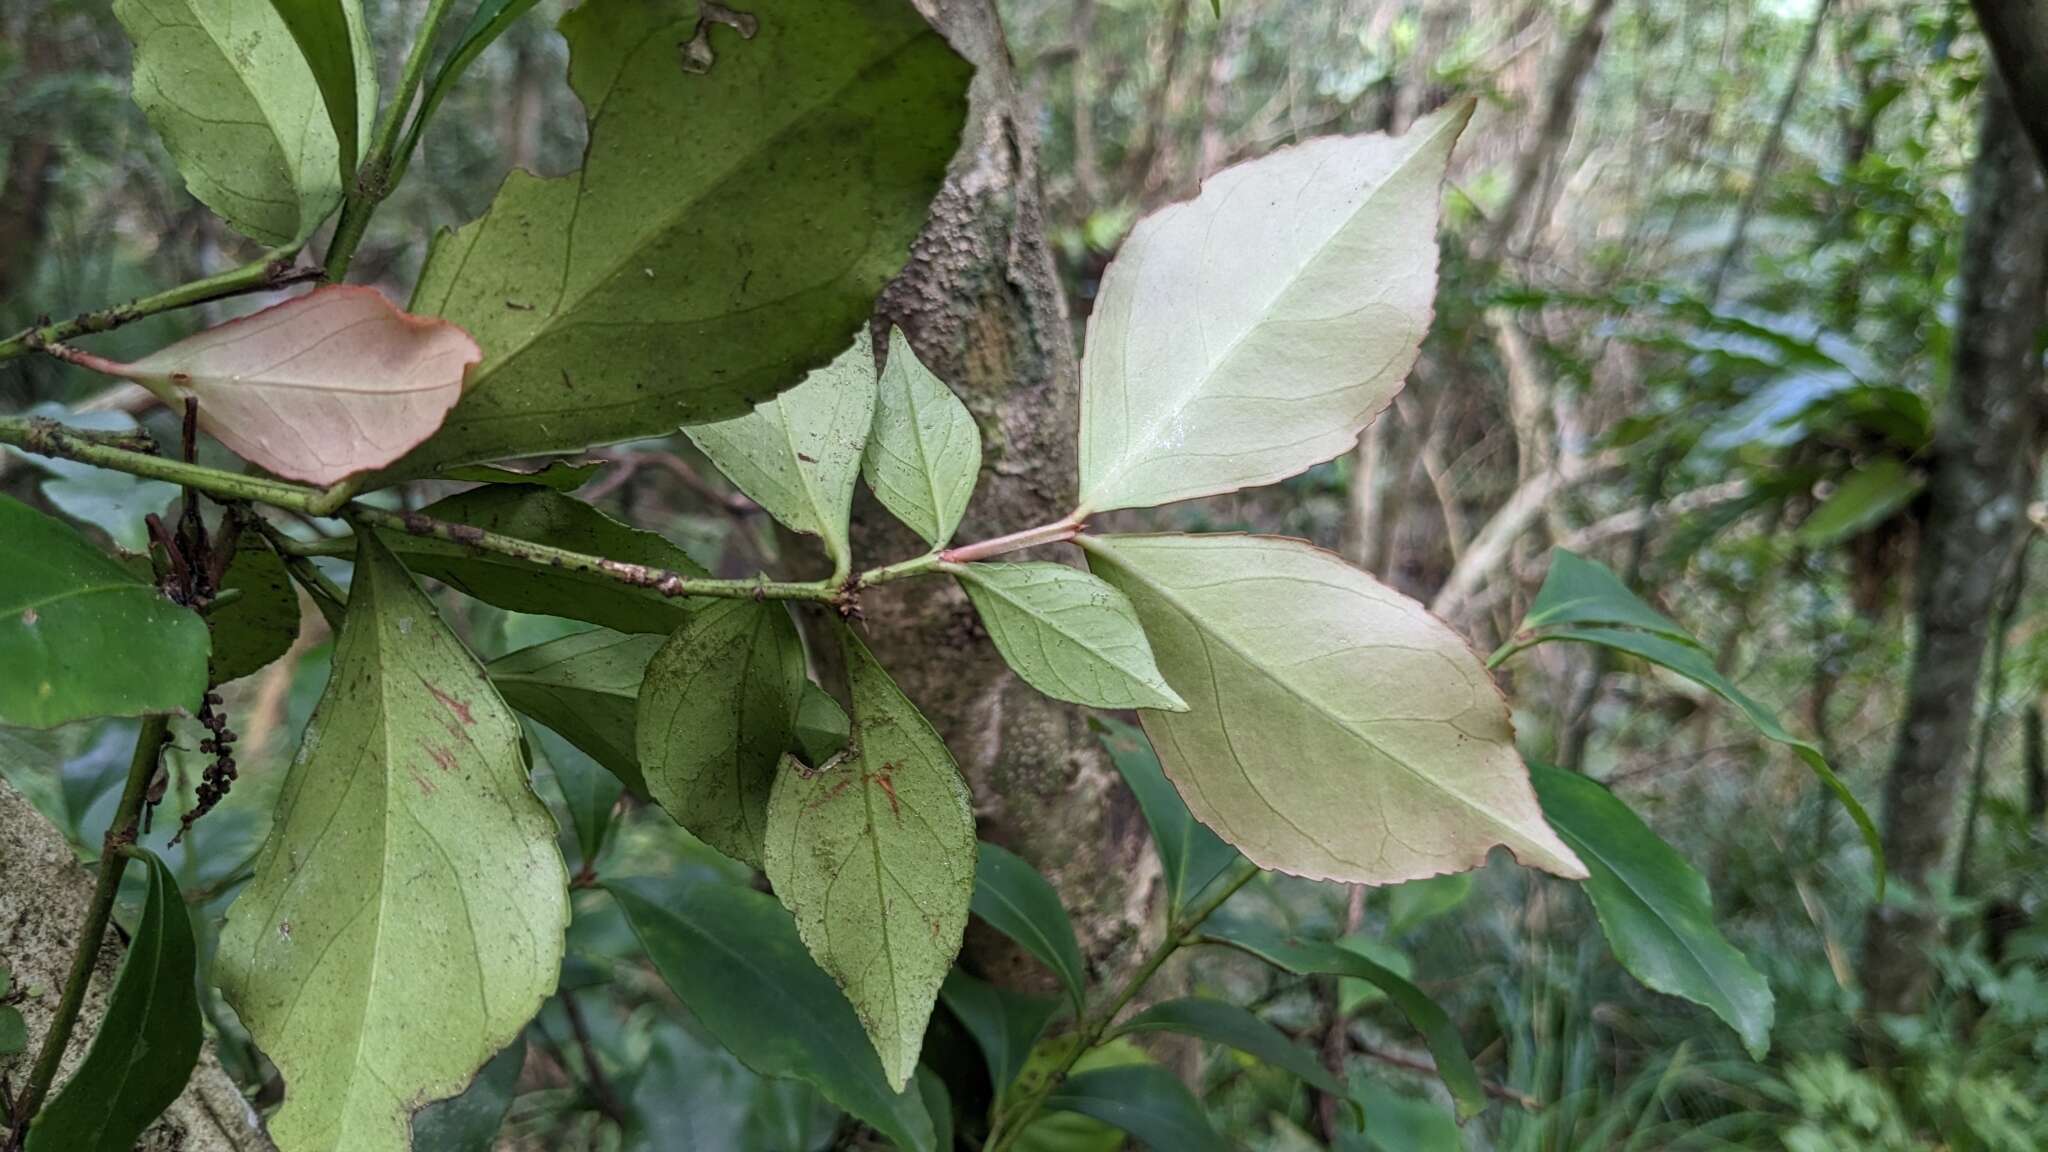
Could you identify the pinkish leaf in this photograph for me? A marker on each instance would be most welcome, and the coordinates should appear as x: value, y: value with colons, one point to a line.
x: 335, y: 382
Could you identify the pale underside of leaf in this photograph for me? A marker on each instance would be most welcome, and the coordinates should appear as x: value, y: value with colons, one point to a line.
x: 875, y: 859
x: 1068, y: 634
x: 406, y: 918
x: 1248, y: 334
x: 1335, y: 729
x: 320, y: 387
x: 925, y: 454
x: 685, y: 283
x: 239, y: 110
x: 799, y: 454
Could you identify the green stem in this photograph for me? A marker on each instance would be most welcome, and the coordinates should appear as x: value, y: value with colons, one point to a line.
x: 113, y: 861
x: 1016, y: 1116
x: 275, y: 270
x: 902, y: 569
x: 378, y: 174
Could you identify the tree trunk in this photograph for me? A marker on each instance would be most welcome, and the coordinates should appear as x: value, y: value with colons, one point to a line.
x: 980, y: 301
x: 2018, y: 33
x: 1984, y: 456
x: 43, y: 897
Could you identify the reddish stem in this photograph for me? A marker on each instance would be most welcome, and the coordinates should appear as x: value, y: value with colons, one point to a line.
x: 1054, y: 533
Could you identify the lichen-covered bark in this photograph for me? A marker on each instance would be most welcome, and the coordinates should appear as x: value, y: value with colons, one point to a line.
x: 43, y: 896
x: 980, y: 301
x: 1985, y: 454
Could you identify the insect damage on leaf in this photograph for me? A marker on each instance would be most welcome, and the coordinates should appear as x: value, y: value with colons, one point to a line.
x: 696, y: 52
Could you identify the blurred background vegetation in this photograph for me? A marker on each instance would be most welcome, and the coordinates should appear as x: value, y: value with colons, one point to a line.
x: 1699, y: 290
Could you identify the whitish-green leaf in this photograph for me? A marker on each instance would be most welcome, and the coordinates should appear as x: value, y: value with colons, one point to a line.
x: 587, y: 688
x: 544, y: 516
x: 1317, y: 958
x: 1144, y: 1100
x: 1697, y: 666
x: 1867, y: 498
x: 735, y: 961
x: 1068, y: 634
x: 925, y: 453
x: 1581, y: 591
x: 260, y: 623
x: 147, y: 1043
x: 226, y: 86
x: 1004, y: 1023
x: 1335, y: 729
x: 322, y: 29
x: 318, y: 388
x: 1015, y: 900
x: 1189, y: 853
x: 1254, y: 331
x: 875, y: 857
x: 470, y: 1122
x: 1656, y: 911
x: 821, y: 726
x: 798, y: 455
x: 407, y: 914
x: 81, y: 636
x: 1221, y: 1022
x: 801, y: 141
x: 717, y: 711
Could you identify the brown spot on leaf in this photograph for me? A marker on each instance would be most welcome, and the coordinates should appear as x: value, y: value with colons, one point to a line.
x: 28, y: 617
x: 442, y: 756
x: 426, y: 785
x: 460, y: 709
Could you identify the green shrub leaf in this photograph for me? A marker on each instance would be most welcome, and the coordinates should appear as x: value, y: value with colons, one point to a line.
x: 1004, y: 1023
x: 1015, y: 900
x: 586, y: 687
x: 821, y: 726
x: 1335, y: 729
x: 325, y: 33
x: 470, y: 1122
x: 1068, y: 634
x: 1656, y: 911
x: 147, y: 1043
x: 875, y: 857
x: 798, y: 455
x: 716, y: 714
x: 1189, y: 853
x: 224, y: 82
x: 260, y: 623
x: 1221, y: 1022
x: 1867, y: 498
x: 798, y: 146
x: 81, y: 636
x: 407, y: 913
x: 925, y: 454
x: 1144, y: 1100
x: 1236, y: 342
x: 735, y: 960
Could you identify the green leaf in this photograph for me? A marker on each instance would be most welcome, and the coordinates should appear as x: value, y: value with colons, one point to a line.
x: 226, y: 86
x: 800, y: 145
x: 1051, y: 1131
x: 470, y: 1122
x: 1254, y: 331
x: 1656, y: 911
x: 1867, y: 498
x: 1581, y: 591
x: 875, y: 858
x: 586, y: 687
x: 324, y: 33
x: 938, y: 1104
x: 717, y: 711
x: 589, y: 792
x: 1695, y: 665
x: 147, y: 1043
x: 1221, y: 1022
x: 1354, y: 995
x: 486, y: 24
x: 1317, y: 958
x: 1144, y: 1100
x: 544, y: 516
x: 1189, y: 853
x: 1411, y: 905
x: 1068, y: 634
x: 258, y: 625
x: 561, y: 475
x: 13, y: 1031
x: 735, y: 960
x: 798, y: 455
x: 1397, y: 1122
x: 821, y: 726
x: 1335, y: 729
x: 1005, y: 1024
x: 925, y: 453
x: 1015, y: 900
x: 80, y: 636
x: 407, y: 913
